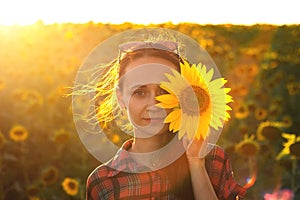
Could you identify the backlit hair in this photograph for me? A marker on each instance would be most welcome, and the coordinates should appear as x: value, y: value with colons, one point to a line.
x: 107, y: 108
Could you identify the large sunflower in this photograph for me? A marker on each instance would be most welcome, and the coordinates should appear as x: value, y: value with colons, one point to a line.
x: 248, y: 147
x: 292, y: 139
x: 197, y: 101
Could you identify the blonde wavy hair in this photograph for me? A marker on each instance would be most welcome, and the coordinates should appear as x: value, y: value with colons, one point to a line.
x: 104, y: 81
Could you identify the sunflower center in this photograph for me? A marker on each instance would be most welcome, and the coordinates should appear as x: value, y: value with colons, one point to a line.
x: 72, y: 185
x: 295, y: 149
x: 271, y: 133
x: 249, y: 149
x: 50, y: 176
x: 194, y: 99
x: 19, y: 133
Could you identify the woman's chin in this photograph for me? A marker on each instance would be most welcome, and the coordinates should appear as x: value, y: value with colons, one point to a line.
x: 156, y: 127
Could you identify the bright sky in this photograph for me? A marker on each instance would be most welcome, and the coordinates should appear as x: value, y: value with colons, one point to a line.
x: 247, y: 12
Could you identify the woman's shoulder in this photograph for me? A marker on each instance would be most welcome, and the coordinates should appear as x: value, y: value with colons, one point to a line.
x: 100, y: 173
x: 219, y: 169
x: 216, y: 161
x: 99, y: 183
x: 216, y: 152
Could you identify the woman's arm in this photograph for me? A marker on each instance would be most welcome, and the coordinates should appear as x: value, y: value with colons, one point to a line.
x: 202, y: 186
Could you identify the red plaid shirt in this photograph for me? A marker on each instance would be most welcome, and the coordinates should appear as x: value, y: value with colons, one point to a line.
x: 107, y: 183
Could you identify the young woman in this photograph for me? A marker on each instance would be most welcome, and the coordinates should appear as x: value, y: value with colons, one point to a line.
x: 160, y: 161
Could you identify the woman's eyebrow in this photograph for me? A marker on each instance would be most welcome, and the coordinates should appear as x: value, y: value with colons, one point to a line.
x: 134, y: 87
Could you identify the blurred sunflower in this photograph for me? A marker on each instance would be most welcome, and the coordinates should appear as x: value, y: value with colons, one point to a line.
x: 287, y: 121
x: 33, y: 190
x: 291, y: 147
x: 243, y: 129
x: 260, y: 96
x: 58, y: 93
x: 197, y: 101
x: 34, y: 198
x: 274, y: 111
x: 269, y: 130
x: 295, y: 148
x: 239, y: 90
x: 49, y: 175
x: 28, y: 100
x: 241, y: 111
x: 19, y: 95
x: 251, y: 51
x: 277, y: 101
x: 260, y: 114
x: 61, y: 136
x: 70, y: 186
x: 18, y: 133
x: 252, y: 70
x: 34, y: 100
x: 252, y: 105
x: 293, y: 88
x: 248, y: 146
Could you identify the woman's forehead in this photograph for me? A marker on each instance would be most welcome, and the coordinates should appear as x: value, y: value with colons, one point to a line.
x: 144, y: 74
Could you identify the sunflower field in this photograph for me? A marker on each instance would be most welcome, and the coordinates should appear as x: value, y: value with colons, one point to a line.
x: 42, y: 157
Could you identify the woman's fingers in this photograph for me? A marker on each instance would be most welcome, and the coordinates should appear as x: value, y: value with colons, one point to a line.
x: 192, y: 147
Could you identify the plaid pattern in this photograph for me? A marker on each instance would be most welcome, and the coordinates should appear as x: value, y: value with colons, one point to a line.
x: 107, y: 183
x: 220, y: 173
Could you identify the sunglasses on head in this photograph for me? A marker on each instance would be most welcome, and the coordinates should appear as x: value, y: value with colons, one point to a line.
x: 134, y: 46
x: 163, y: 45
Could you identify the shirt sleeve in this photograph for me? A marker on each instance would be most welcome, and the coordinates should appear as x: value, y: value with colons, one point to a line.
x: 98, y: 186
x: 219, y: 169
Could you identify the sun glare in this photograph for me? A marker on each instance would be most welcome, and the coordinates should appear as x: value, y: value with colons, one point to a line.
x: 19, y: 12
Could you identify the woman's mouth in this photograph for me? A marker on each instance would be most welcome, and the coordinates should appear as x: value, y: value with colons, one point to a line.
x: 154, y: 120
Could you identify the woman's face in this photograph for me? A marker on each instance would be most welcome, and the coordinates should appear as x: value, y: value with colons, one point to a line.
x: 140, y: 86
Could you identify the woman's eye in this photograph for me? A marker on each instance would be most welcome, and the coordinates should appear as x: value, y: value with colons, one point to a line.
x: 139, y: 92
x: 161, y: 92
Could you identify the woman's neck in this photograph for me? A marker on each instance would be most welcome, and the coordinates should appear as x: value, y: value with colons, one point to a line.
x: 144, y: 145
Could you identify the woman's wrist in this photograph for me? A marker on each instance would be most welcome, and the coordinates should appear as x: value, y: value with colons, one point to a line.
x: 195, y: 161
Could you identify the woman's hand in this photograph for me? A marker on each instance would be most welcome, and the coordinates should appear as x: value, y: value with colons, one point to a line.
x: 193, y: 147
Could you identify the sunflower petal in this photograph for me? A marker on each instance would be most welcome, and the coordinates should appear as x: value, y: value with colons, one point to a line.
x: 209, y: 75
x: 167, y: 101
x: 176, y: 124
x: 173, y: 116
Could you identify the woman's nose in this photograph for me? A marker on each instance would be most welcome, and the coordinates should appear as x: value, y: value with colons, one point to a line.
x: 152, y: 99
x: 154, y: 91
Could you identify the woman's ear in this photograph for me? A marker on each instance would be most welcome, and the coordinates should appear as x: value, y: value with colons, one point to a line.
x: 120, y: 98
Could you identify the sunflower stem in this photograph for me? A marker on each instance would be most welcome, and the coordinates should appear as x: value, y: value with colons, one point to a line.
x: 294, y: 170
x: 23, y: 161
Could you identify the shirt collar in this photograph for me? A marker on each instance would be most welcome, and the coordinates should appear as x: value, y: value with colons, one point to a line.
x: 123, y: 161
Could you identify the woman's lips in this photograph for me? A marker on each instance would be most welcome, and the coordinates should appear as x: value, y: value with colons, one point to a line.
x: 154, y: 120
